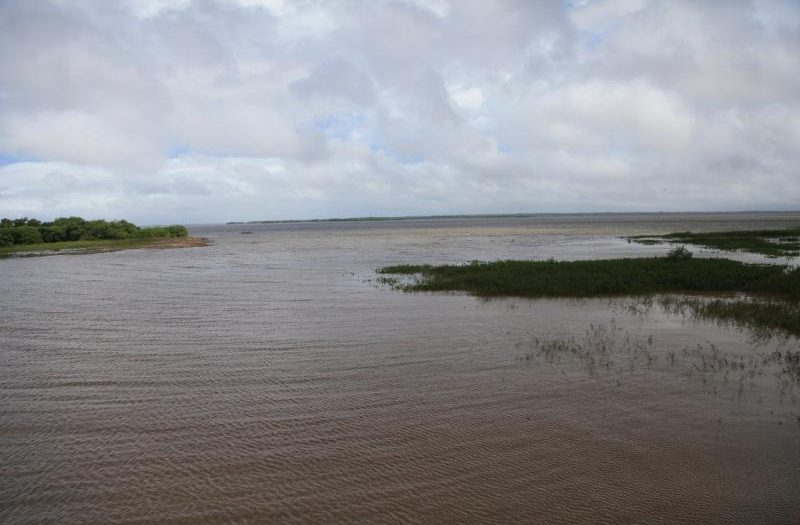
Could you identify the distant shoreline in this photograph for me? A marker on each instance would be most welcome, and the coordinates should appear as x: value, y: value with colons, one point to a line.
x: 510, y: 216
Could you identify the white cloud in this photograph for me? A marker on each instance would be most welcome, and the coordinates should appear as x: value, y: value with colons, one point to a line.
x: 467, y: 98
x: 81, y: 138
x: 199, y: 110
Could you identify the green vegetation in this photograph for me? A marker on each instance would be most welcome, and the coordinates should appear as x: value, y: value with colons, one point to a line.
x: 613, y: 277
x: 28, y: 232
x: 772, y: 243
x: 679, y: 254
x: 774, y: 289
x: 74, y: 234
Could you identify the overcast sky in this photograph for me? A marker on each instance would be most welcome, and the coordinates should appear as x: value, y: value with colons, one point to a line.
x: 208, y: 110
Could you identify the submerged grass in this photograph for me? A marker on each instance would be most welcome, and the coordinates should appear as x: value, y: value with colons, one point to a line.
x: 773, y: 290
x: 763, y: 316
x: 772, y: 243
x: 606, y: 350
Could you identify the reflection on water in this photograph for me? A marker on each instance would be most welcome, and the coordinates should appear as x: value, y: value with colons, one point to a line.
x: 268, y: 378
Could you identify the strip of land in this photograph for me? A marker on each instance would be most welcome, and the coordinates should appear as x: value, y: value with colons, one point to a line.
x: 613, y: 277
x: 98, y: 246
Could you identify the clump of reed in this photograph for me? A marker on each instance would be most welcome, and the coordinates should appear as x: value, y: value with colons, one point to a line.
x: 600, y: 347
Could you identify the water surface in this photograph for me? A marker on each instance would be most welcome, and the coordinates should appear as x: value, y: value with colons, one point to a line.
x: 269, y: 378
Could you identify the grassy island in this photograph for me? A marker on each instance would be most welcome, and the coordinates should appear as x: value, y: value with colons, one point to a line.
x: 772, y: 243
x: 30, y: 237
x: 759, y: 296
x: 603, y: 278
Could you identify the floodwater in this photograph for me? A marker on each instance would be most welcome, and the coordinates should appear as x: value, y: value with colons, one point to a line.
x: 270, y: 378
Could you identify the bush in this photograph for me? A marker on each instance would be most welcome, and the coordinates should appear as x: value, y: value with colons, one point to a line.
x: 26, y: 235
x: 6, y: 237
x: 154, y: 232
x: 176, y: 230
x: 679, y: 253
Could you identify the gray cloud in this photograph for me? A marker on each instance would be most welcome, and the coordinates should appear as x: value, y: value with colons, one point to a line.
x: 210, y: 110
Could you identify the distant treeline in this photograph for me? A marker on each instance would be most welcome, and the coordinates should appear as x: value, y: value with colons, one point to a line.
x: 33, y: 231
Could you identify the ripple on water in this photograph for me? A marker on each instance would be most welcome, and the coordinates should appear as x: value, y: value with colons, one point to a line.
x: 264, y: 379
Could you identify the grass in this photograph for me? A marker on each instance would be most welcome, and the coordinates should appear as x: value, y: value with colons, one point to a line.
x: 772, y: 243
x: 613, y: 277
x: 88, y: 246
x: 774, y: 290
x: 607, y: 350
x: 764, y: 316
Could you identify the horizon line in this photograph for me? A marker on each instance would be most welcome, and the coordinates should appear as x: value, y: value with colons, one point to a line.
x: 496, y: 216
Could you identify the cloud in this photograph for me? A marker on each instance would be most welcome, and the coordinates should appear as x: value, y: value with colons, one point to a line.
x: 335, y: 83
x: 211, y: 110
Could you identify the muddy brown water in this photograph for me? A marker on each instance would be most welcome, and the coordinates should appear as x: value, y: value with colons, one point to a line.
x: 269, y: 378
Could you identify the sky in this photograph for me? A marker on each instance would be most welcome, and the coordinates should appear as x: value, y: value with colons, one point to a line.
x: 198, y: 111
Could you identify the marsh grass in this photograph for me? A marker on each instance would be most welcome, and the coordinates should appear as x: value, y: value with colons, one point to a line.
x: 771, y: 302
x: 613, y: 277
x: 772, y: 243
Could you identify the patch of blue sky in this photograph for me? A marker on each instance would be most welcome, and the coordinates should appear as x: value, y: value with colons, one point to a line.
x: 179, y: 150
x: 573, y: 4
x: 409, y: 159
x: 396, y: 156
x: 340, y: 126
x: 620, y: 147
x: 7, y: 159
x: 353, y: 126
x: 598, y: 34
x: 593, y: 39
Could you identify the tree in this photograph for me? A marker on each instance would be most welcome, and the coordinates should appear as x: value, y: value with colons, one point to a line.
x: 32, y: 231
x: 72, y: 228
x: 26, y: 235
x: 6, y: 237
